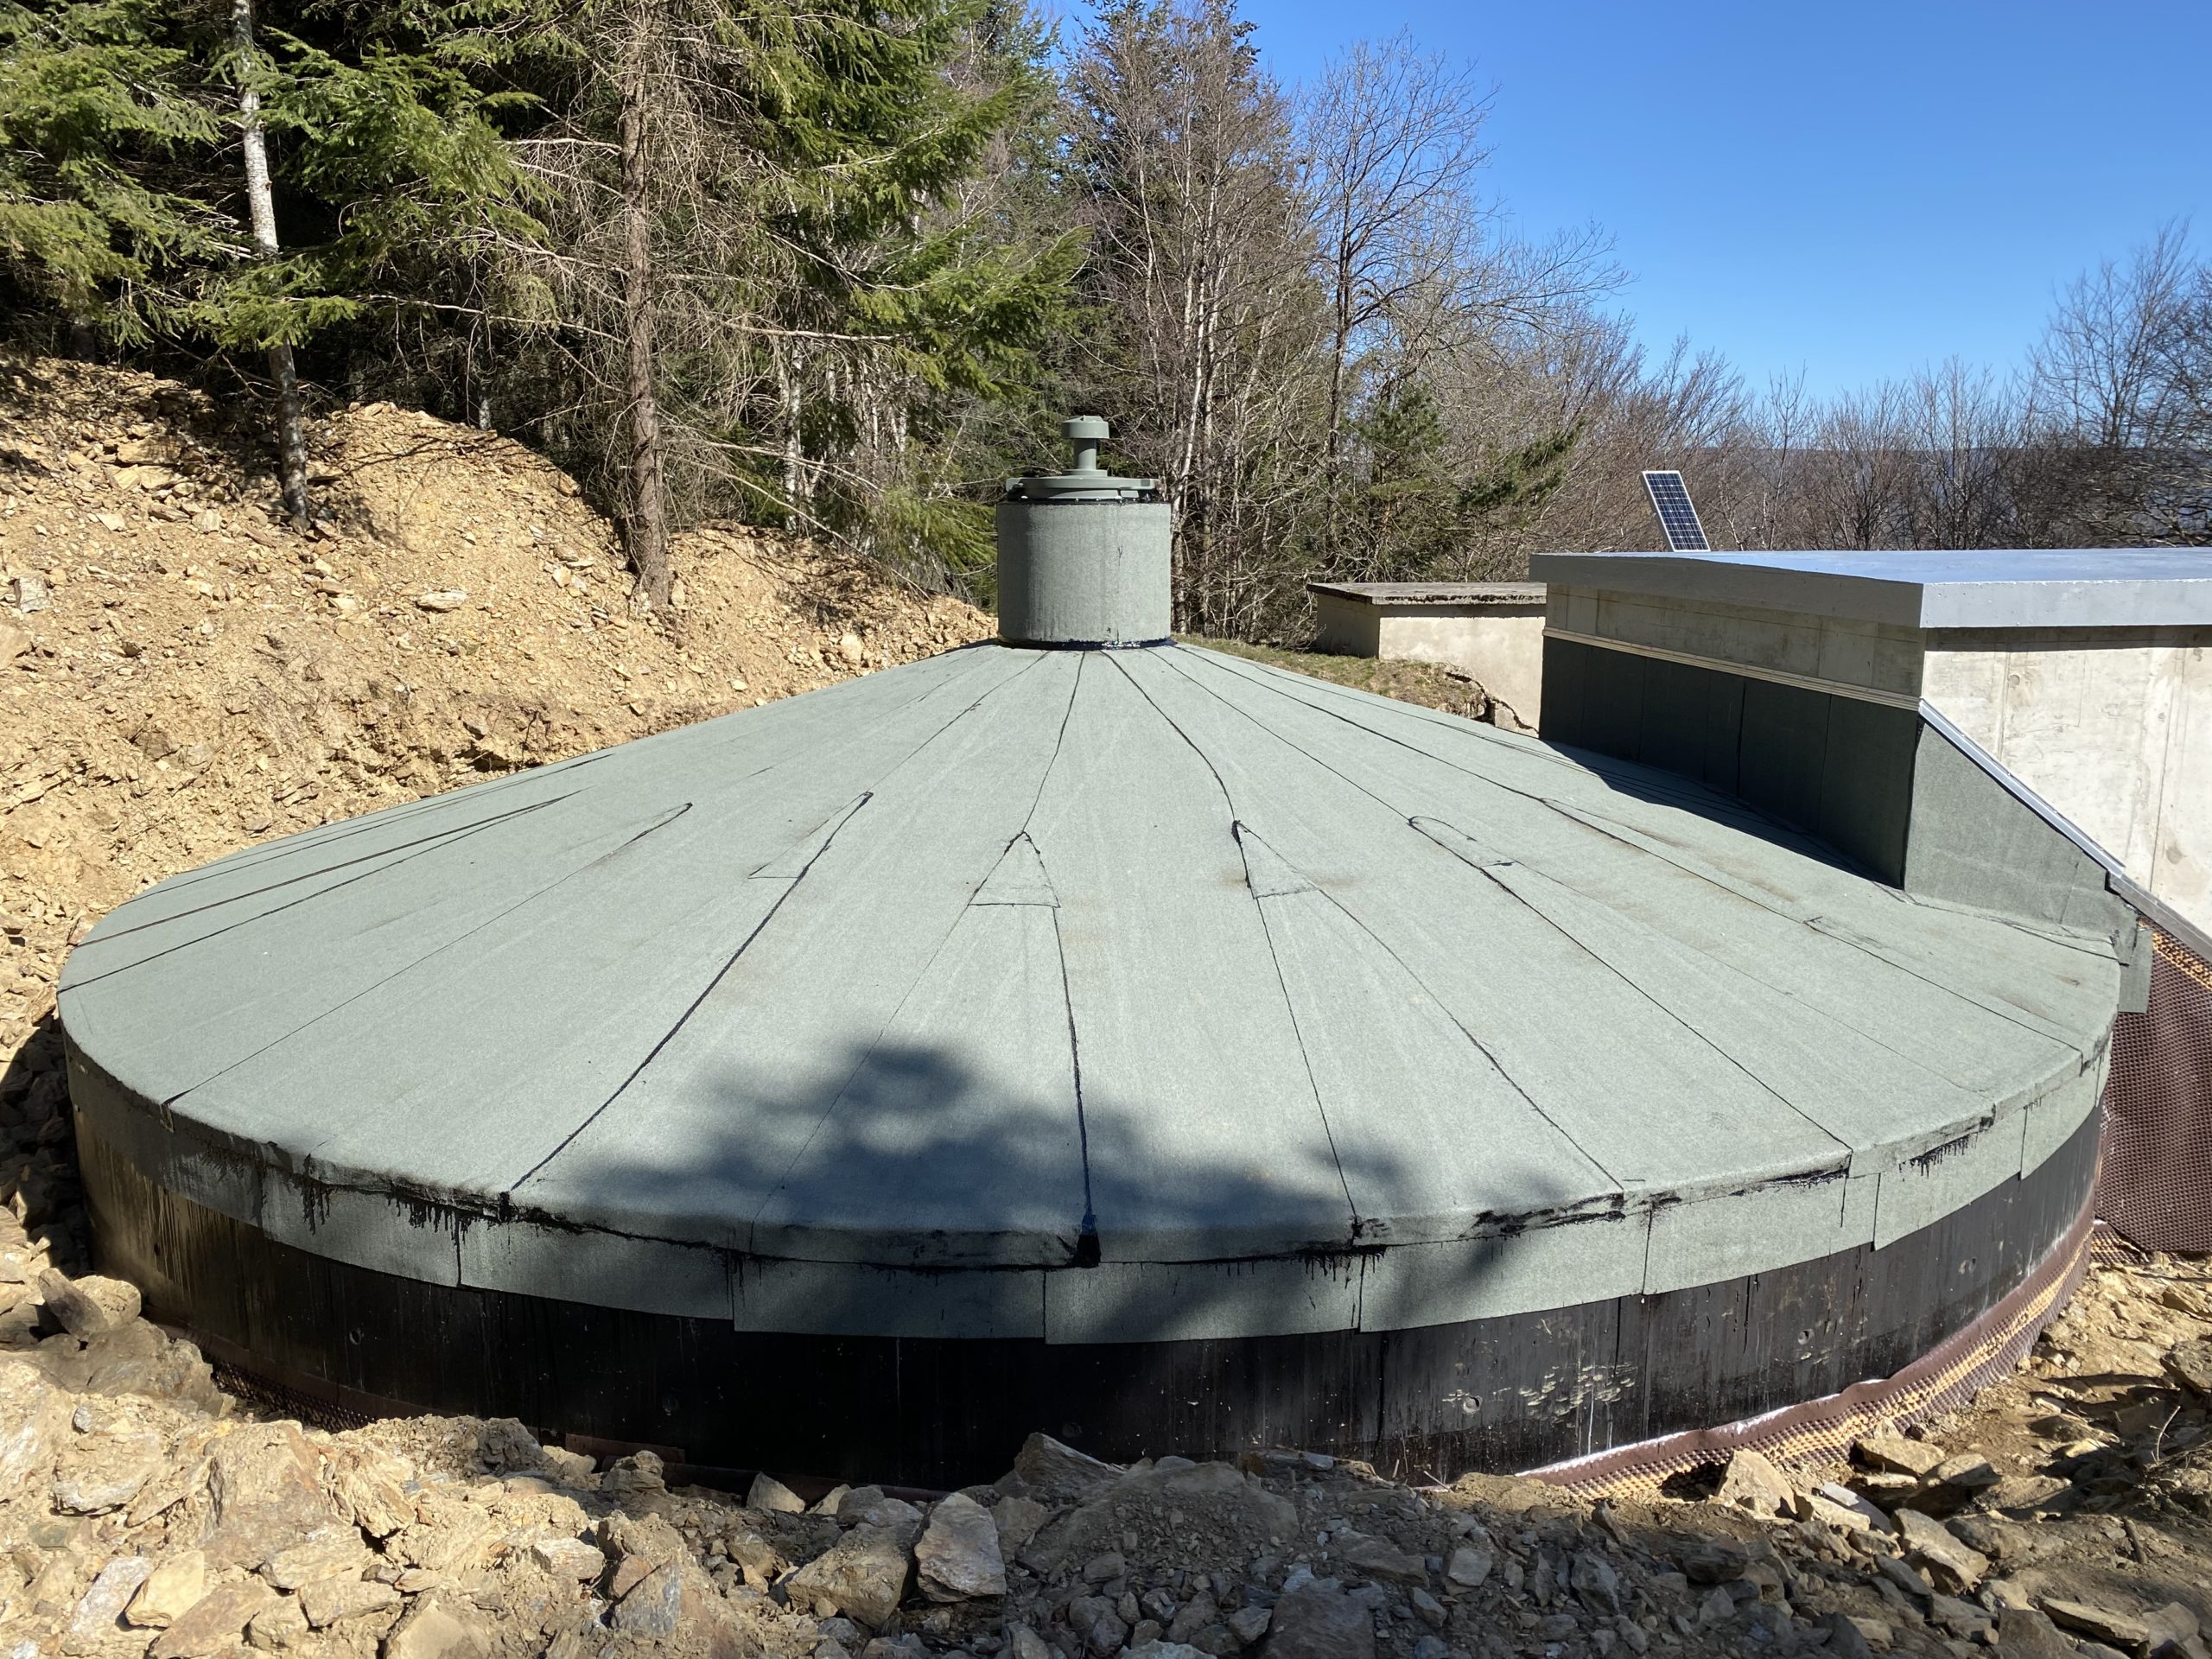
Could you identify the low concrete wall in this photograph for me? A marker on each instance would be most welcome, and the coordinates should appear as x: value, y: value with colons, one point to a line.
x: 1492, y: 630
x: 2110, y: 725
x: 1797, y: 647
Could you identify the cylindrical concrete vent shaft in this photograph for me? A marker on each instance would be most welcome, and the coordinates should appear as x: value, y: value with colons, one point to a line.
x: 1083, y: 556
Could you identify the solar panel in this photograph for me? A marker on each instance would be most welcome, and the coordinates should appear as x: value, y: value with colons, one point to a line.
x: 1671, y: 501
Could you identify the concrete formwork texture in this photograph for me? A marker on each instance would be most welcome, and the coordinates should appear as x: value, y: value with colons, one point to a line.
x: 1492, y: 630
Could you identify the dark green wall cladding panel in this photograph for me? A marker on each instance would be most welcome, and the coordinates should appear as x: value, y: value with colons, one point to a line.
x: 1841, y: 768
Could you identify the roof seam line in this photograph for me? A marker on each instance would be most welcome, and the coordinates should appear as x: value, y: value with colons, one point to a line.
x: 304, y: 898
x: 921, y: 974
x: 1282, y: 984
x: 420, y: 844
x: 1382, y: 944
x: 684, y: 1018
x: 405, y: 969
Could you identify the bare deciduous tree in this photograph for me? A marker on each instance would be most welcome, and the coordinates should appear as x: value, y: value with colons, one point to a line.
x: 1198, y: 263
x: 1392, y: 139
x: 261, y: 208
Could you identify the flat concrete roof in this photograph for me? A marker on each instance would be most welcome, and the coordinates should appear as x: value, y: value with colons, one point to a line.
x: 2036, y: 587
x: 883, y: 1008
x: 1432, y: 593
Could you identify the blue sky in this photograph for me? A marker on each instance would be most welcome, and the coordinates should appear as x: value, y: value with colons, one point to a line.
x: 1853, y: 190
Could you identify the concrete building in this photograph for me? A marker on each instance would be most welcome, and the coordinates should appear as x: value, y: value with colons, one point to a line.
x: 2086, y: 677
x: 1492, y: 630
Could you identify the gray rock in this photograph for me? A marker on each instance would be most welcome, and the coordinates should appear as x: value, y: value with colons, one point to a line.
x: 1023, y: 1643
x: 1158, y: 1650
x: 90, y: 1306
x: 1845, y: 1639
x: 1018, y: 1520
x: 889, y: 1514
x: 1101, y: 1568
x: 1378, y: 1558
x: 1961, y: 1618
x: 1248, y: 1624
x: 2122, y: 1631
x: 1193, y: 1616
x: 1593, y: 1579
x: 958, y: 1556
x: 654, y: 1607
x: 2173, y: 1625
x: 1907, y: 1578
x: 2024, y: 1633
x: 862, y: 1575
x: 1315, y: 1621
x: 503, y: 1444
x: 1428, y: 1608
x: 1470, y: 1566
x: 1058, y: 1473
x: 1952, y: 1565
x: 770, y: 1494
x: 1712, y: 1560
x: 98, y: 1614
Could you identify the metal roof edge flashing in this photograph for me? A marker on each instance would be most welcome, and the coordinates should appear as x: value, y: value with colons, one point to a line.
x: 2130, y: 891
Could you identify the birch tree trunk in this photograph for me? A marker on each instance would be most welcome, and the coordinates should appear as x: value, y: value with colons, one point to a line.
x: 644, y: 521
x: 261, y: 206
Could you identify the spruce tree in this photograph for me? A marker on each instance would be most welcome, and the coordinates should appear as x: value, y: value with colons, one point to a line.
x: 369, y: 155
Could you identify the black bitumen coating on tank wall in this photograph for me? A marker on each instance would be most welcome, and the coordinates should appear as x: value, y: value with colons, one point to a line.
x: 1429, y: 1403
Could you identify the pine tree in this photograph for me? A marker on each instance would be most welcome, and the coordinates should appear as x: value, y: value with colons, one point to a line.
x: 762, y: 284
x: 368, y: 156
x: 103, y: 134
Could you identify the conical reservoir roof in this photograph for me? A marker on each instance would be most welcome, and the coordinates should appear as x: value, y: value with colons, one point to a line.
x: 986, y: 995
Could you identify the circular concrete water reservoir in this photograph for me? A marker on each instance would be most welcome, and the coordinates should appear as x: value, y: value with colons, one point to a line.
x: 1147, y: 1045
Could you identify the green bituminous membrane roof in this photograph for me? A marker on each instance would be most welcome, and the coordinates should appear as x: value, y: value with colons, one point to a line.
x: 1018, y: 961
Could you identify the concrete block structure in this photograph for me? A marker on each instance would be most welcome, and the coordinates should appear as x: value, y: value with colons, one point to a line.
x: 2085, y: 678
x: 1174, y: 1053
x: 1492, y: 630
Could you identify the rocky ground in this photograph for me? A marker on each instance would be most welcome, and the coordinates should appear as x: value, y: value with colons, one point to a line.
x: 179, y: 676
x: 144, y: 1511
